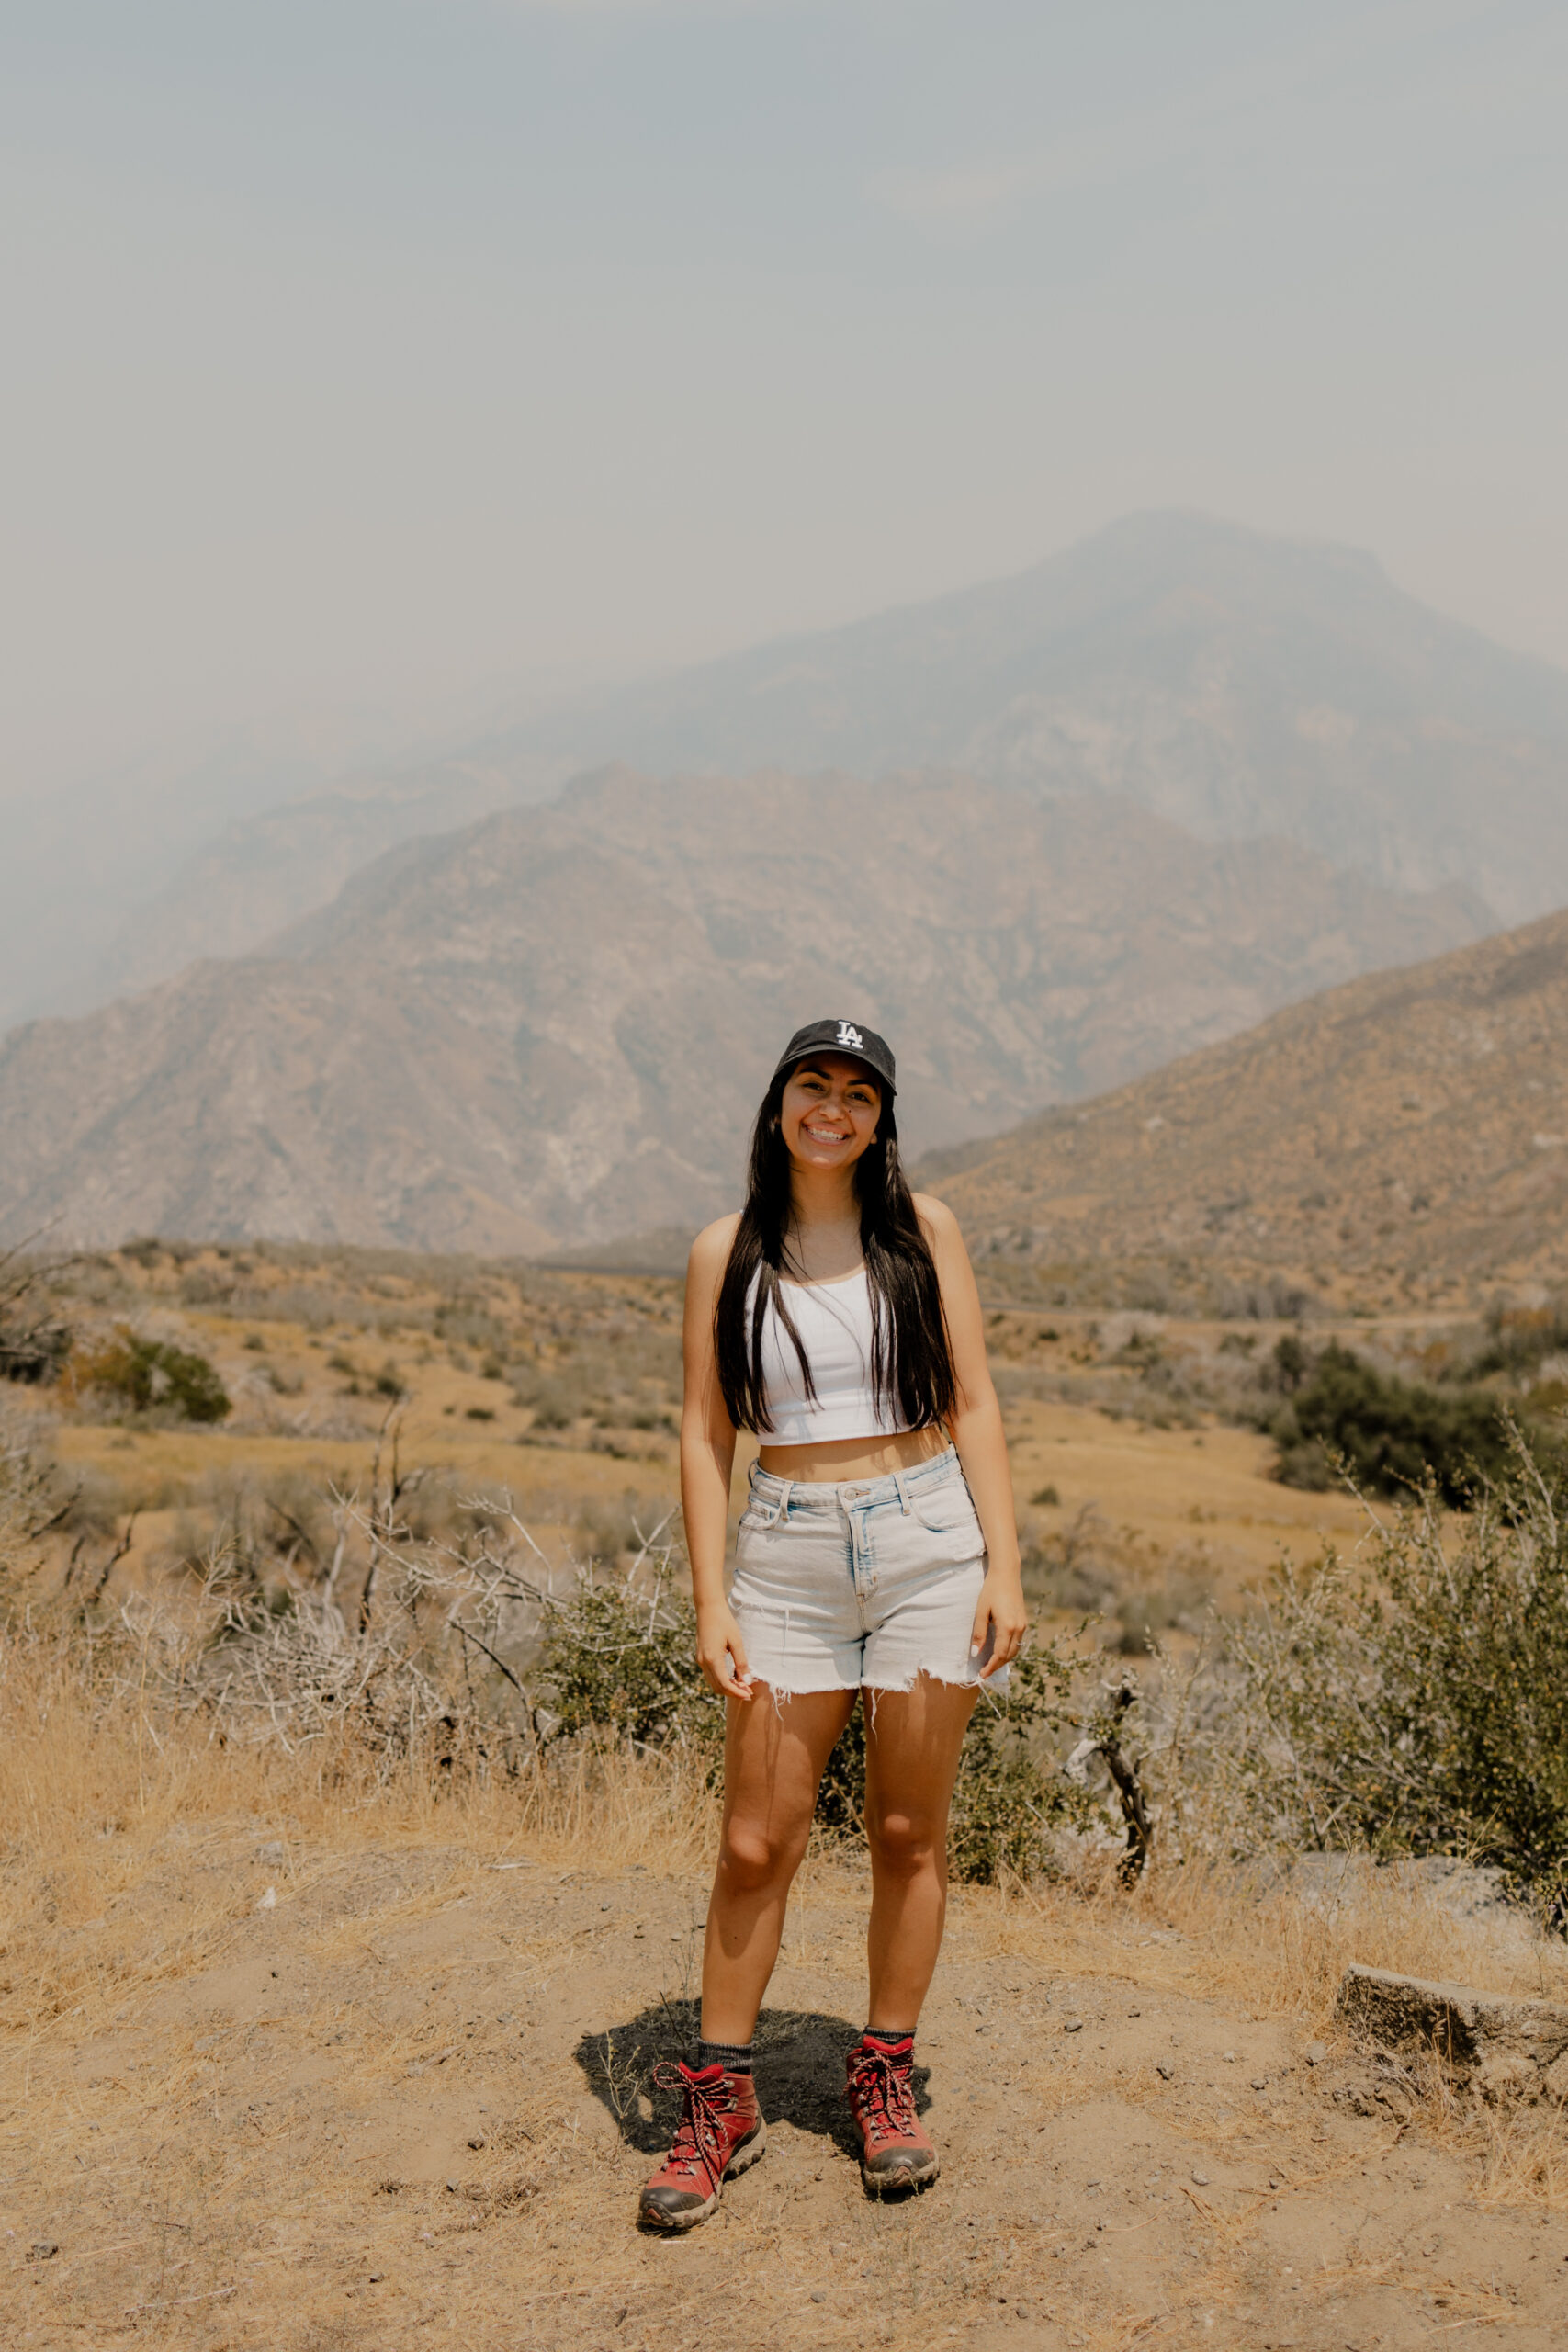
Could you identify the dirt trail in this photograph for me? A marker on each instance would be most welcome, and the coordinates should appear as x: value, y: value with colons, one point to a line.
x: 408, y: 2105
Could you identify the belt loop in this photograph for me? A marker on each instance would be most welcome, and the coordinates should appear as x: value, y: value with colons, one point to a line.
x: 903, y: 1492
x: 782, y: 1507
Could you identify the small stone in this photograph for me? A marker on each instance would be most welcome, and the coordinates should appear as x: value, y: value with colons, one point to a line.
x: 817, y: 2295
x: 1201, y: 2179
x: 1163, y: 2071
x: 267, y: 1902
x: 376, y: 2277
x: 1134, y: 2013
x: 453, y: 2187
x: 476, y: 2140
x: 1230, y: 2057
x: 1259, y: 2084
x: 41, y: 2249
x: 1072, y: 2025
x: 1315, y: 2053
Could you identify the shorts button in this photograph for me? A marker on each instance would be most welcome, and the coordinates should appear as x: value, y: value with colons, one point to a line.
x: 853, y: 1493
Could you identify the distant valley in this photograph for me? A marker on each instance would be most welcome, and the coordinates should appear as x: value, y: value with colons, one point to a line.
x: 553, y: 1025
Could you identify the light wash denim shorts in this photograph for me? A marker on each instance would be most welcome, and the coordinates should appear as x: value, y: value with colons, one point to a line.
x: 868, y: 1584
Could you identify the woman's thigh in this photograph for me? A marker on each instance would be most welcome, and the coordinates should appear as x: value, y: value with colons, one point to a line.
x: 776, y: 1749
x: 912, y: 1743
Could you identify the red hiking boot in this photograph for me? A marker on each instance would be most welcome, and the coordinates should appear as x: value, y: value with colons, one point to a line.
x: 721, y: 2131
x: 896, y: 2153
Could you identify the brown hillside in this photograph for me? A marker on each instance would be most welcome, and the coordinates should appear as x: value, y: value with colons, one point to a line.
x: 554, y: 1026
x: 1404, y: 1134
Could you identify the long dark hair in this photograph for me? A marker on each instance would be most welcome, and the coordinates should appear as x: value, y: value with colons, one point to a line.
x: 912, y: 1362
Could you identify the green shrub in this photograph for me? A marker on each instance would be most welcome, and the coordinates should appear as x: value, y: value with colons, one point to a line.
x: 613, y: 1662
x: 1010, y: 1798
x: 1389, y: 1433
x: 1418, y: 1704
x: 149, y: 1375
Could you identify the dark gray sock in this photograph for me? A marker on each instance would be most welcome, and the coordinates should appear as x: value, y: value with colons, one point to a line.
x: 887, y: 2040
x: 734, y: 2057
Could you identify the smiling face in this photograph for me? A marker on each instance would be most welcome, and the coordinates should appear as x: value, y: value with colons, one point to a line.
x: 829, y: 1115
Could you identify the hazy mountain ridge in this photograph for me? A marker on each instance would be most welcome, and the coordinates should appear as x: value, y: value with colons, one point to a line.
x: 1241, y: 684
x: 1404, y: 1134
x: 266, y: 872
x: 554, y: 1025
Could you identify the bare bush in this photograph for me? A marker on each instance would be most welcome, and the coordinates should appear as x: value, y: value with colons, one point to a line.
x: 34, y: 1338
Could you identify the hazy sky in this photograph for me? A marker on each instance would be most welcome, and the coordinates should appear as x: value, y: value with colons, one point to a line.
x: 364, y: 355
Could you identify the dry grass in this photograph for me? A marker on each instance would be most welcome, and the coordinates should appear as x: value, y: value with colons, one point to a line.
x: 97, y: 1790
x: 290, y: 2060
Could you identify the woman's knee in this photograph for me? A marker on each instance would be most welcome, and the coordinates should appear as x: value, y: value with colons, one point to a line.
x: 906, y: 1844
x: 753, y: 1856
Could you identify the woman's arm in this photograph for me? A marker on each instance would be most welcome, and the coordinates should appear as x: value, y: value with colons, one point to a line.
x: 707, y: 1459
x: 977, y: 1429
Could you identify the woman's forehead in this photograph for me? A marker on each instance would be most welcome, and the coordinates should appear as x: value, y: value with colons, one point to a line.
x: 841, y: 1066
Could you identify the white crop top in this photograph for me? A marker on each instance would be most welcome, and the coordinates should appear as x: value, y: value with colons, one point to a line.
x: 834, y: 1323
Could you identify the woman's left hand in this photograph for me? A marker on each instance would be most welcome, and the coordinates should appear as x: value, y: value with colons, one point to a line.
x: 1001, y: 1611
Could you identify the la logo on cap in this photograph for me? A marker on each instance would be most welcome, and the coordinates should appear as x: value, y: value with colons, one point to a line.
x: 848, y: 1034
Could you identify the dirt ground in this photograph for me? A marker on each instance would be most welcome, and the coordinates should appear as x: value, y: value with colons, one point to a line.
x: 392, y: 2096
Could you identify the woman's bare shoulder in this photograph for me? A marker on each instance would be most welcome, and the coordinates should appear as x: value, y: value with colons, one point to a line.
x: 710, y: 1250
x: 938, y: 1219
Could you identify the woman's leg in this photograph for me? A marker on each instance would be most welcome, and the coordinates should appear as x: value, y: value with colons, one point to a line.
x: 772, y: 1762
x: 912, y: 1741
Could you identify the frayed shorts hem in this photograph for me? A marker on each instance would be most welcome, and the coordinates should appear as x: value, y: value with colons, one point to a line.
x: 795, y: 1688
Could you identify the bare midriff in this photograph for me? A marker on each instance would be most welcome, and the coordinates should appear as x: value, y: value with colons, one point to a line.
x: 853, y: 1457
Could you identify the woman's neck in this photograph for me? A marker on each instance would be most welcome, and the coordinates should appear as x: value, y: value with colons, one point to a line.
x: 822, y: 1196
x: 822, y: 1238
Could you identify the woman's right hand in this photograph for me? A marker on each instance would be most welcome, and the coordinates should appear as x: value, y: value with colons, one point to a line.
x: 721, y: 1654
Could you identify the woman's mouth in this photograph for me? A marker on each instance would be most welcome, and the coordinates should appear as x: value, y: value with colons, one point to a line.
x: 825, y: 1135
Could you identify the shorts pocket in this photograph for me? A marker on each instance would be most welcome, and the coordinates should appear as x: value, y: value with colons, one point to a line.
x: 754, y: 1525
x: 949, y: 1511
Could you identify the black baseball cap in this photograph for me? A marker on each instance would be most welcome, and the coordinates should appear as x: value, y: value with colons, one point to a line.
x: 842, y: 1037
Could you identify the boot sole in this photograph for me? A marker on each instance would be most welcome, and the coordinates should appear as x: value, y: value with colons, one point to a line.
x: 879, y: 2185
x: 749, y: 2153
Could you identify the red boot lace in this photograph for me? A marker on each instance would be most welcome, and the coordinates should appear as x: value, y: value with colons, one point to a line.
x: 698, y: 2144
x: 885, y: 2087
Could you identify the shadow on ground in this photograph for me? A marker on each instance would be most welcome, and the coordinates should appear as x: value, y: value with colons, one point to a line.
x: 800, y: 2071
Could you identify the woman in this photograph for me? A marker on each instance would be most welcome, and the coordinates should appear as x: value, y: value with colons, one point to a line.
x: 837, y: 1316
